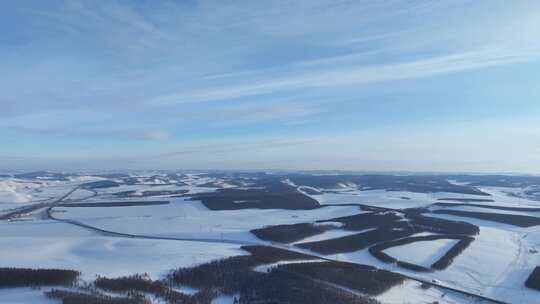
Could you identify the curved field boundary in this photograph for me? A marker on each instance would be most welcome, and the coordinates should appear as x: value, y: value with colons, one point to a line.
x: 509, y: 219
x: 290, y: 233
x: 464, y: 241
x: 505, y: 208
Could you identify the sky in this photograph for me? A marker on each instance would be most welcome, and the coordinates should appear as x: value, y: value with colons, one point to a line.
x: 307, y: 84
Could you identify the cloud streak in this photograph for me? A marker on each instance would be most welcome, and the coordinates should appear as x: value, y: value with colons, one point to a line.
x: 93, y: 133
x: 358, y: 75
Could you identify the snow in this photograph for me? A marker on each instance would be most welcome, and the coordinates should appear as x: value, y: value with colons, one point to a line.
x: 330, y: 234
x: 15, y: 193
x: 517, y: 194
x: 223, y: 299
x: 390, y: 199
x: 49, y: 244
x: 182, y: 218
x: 381, y: 198
x: 485, y: 262
x: 24, y: 296
x: 423, y: 253
x: 496, y: 264
x: 411, y: 292
x: 305, y: 189
x: 266, y: 267
x: 186, y: 290
x: 12, y: 191
x: 289, y: 182
x: 501, y: 196
x: 140, y: 188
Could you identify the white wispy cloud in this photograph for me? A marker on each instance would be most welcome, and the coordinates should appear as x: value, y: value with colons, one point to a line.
x: 112, y: 24
x: 168, y: 52
x: 346, y: 75
x: 97, y: 132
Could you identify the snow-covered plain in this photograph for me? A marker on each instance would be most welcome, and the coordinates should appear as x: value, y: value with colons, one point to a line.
x: 387, y: 199
x: 184, y: 218
x: 24, y: 296
x: 47, y: 244
x: 411, y: 292
x: 496, y: 264
x: 423, y: 253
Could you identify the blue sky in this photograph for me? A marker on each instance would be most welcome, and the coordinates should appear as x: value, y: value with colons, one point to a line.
x: 308, y: 84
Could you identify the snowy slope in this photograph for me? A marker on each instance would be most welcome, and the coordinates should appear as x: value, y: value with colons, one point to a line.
x: 58, y: 245
x: 183, y: 218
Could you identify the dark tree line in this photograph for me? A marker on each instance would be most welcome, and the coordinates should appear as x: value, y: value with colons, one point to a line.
x: 20, y: 277
x: 100, y: 184
x: 510, y: 219
x: 445, y: 261
x: 364, y: 278
x: 286, y: 287
x: 360, y: 241
x: 534, y: 279
x: 143, y: 284
x: 451, y: 254
x: 309, y: 283
x: 280, y: 197
x: 75, y: 297
x: 438, y: 225
x: 290, y: 283
x: 228, y: 275
x: 236, y: 276
x: 290, y: 233
x: 366, y: 220
x: 387, y: 226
